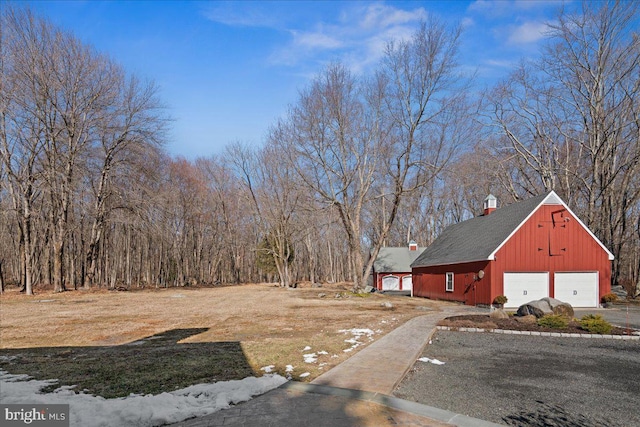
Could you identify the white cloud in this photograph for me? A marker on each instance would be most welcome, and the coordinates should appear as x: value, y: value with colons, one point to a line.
x: 488, y: 7
x: 501, y: 63
x: 240, y: 15
x: 527, y: 32
x: 537, y: 4
x: 501, y: 8
x: 467, y: 23
x: 315, y: 40
x: 380, y: 16
x: 357, y: 37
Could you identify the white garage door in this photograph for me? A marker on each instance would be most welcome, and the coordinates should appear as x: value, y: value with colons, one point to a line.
x: 520, y: 288
x: 390, y: 283
x: 578, y: 289
x: 407, y: 283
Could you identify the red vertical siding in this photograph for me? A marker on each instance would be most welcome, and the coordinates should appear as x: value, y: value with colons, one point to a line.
x: 552, y: 240
x: 430, y: 282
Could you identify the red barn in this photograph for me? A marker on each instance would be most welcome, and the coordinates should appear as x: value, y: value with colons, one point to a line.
x: 392, y: 268
x: 526, y: 251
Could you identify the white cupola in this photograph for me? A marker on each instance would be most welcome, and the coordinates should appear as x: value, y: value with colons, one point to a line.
x: 490, y: 204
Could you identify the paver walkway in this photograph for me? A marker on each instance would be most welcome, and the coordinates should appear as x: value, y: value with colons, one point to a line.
x: 380, y: 367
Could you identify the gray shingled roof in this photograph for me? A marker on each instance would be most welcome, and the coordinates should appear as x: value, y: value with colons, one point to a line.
x: 395, y: 260
x: 477, y: 238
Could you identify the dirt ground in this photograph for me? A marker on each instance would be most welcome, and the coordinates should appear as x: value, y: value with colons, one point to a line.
x: 192, y: 330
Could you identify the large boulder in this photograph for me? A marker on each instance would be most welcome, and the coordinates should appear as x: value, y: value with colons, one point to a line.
x: 561, y: 308
x: 536, y: 308
x: 545, y: 306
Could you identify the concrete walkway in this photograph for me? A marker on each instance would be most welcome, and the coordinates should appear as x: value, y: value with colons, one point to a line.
x: 381, y: 366
x: 355, y: 393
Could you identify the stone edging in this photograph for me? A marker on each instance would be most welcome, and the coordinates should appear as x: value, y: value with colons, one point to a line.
x: 541, y: 334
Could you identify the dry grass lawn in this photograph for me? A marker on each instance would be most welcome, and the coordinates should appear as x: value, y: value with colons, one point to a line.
x: 115, y: 343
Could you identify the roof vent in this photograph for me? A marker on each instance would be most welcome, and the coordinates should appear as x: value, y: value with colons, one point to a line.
x: 490, y: 203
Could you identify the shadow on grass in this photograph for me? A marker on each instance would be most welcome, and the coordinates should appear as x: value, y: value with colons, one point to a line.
x: 151, y: 365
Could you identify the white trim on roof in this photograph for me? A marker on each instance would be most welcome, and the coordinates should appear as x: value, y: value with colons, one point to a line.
x: 551, y: 199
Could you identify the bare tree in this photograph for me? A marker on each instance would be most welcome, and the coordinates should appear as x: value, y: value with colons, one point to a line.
x: 131, y: 125
x: 22, y: 127
x: 336, y: 151
x: 363, y: 145
x: 429, y: 121
x: 569, y: 121
x: 70, y: 118
x: 233, y: 220
x: 277, y: 200
x: 81, y: 87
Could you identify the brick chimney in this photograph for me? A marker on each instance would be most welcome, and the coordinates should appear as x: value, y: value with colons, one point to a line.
x: 413, y: 246
x: 489, y: 205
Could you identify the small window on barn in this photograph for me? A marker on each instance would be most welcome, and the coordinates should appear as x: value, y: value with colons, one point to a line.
x: 449, y: 284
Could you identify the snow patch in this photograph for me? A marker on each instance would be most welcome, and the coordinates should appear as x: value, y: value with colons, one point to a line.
x: 434, y: 361
x: 268, y: 369
x: 136, y: 410
x: 357, y: 334
x: 310, y: 358
x: 307, y: 348
x: 306, y: 374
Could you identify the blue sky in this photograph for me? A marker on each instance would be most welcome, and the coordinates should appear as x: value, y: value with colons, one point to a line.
x: 228, y: 70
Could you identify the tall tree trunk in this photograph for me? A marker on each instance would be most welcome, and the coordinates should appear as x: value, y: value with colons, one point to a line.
x: 58, y: 263
x: 94, y: 248
x: 1, y: 278
x: 28, y: 252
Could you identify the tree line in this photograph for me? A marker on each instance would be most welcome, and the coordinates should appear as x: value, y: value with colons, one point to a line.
x: 90, y: 198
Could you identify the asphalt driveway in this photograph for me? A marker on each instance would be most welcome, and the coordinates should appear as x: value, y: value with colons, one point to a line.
x: 529, y: 380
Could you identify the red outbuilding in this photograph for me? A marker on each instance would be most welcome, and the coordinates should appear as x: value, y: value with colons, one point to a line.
x: 526, y: 251
x: 392, y: 267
